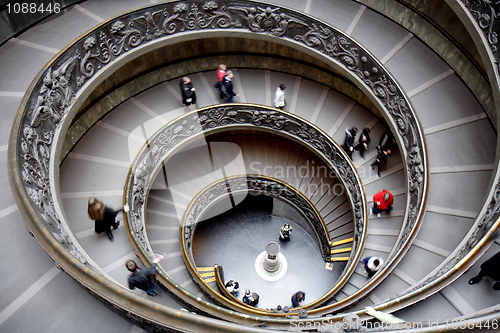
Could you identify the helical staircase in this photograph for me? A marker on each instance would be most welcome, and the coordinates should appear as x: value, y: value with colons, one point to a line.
x: 92, y: 93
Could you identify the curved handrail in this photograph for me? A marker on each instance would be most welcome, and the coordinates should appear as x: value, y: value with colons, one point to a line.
x: 253, y: 184
x: 35, y: 143
x: 258, y: 184
x: 192, y: 126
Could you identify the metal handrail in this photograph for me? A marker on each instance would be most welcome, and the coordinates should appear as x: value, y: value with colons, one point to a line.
x: 187, y: 252
x: 178, y: 133
x: 35, y: 120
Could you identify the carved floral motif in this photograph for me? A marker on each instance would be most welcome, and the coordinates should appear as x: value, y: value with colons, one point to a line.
x: 486, y: 12
x: 54, y: 94
x: 267, y: 20
x: 186, y: 127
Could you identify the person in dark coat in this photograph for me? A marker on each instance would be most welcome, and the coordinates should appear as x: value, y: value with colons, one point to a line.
x: 381, y: 158
x: 491, y: 268
x: 187, y: 91
x: 385, y: 141
x: 350, y: 136
x: 251, y: 299
x: 363, y: 141
x: 298, y: 299
x: 142, y: 278
x: 104, y: 217
x: 228, y: 83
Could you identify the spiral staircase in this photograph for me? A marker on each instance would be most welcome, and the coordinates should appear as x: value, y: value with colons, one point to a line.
x: 92, y: 89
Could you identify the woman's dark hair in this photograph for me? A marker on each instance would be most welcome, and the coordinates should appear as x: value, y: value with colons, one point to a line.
x: 131, y: 265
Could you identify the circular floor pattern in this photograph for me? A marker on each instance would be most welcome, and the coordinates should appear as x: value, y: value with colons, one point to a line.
x: 271, y: 276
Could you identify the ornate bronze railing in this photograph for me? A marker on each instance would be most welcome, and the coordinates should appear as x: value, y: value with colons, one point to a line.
x: 253, y: 185
x: 193, y: 126
x: 61, y: 87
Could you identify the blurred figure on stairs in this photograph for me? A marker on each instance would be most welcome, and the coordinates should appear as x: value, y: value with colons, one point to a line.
x: 279, y: 97
x: 491, y: 268
x: 363, y: 141
x: 372, y: 265
x: 104, y: 217
x: 188, y: 92
x: 350, y: 136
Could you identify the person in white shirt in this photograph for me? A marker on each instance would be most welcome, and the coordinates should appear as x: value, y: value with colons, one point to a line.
x: 279, y: 97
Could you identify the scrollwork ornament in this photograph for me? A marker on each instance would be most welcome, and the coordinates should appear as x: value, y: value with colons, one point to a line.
x: 125, y: 39
x: 87, y: 67
x: 254, y: 185
x: 186, y: 17
x: 218, y: 117
x: 334, y: 45
x: 56, y: 94
x: 109, y: 50
x: 267, y: 20
x: 486, y: 12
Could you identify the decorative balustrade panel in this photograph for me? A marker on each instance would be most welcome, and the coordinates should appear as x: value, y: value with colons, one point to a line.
x: 191, y: 126
x: 195, y: 125
x: 50, y: 104
x: 53, y: 95
x: 485, y: 13
x: 254, y: 185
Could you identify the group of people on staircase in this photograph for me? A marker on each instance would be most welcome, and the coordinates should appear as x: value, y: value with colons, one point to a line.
x: 249, y: 298
x: 105, y: 221
x: 383, y: 148
x: 252, y: 298
x: 142, y: 278
x: 383, y: 201
x: 224, y: 85
x: 226, y: 89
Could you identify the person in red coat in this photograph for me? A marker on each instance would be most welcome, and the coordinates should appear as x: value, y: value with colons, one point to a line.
x: 382, y: 202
